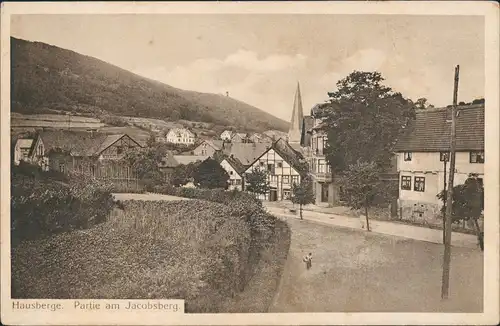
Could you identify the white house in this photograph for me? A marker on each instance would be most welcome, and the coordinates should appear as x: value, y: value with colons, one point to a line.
x: 208, y: 147
x: 226, y: 135
x: 284, y: 167
x: 22, y: 150
x: 423, y: 152
x: 180, y: 136
x: 235, y: 170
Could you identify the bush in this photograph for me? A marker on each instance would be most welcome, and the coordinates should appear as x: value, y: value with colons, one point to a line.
x: 41, y: 206
x: 194, y: 250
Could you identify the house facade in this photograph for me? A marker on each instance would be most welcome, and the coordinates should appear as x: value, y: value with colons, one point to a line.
x: 208, y: 147
x: 235, y: 170
x: 226, y: 135
x: 239, y: 138
x: 180, y: 136
x: 22, y: 150
x: 423, y: 158
x: 283, y: 168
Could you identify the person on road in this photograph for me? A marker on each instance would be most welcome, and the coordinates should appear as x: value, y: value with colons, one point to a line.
x: 308, y: 260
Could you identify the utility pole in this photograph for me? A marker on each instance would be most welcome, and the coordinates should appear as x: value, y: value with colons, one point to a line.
x: 444, y: 198
x: 449, y: 194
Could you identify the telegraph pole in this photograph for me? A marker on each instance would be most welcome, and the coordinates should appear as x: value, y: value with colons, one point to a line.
x: 444, y: 198
x: 449, y: 194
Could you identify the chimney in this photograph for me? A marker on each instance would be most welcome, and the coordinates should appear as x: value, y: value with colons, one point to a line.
x: 227, y: 94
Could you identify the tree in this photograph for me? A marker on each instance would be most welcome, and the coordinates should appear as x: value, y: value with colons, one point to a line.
x: 422, y: 104
x: 182, y: 174
x: 467, y: 203
x: 302, y: 193
x: 363, y: 120
x: 145, y: 163
x: 362, y: 187
x: 209, y: 174
x: 256, y: 182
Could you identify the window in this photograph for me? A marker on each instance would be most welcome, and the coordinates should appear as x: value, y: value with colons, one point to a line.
x: 274, y: 178
x: 231, y: 182
x: 476, y: 157
x: 286, y: 179
x: 286, y: 194
x: 270, y: 168
x: 321, y: 166
x: 230, y: 172
x: 419, y: 184
x: 61, y: 167
x: 405, y: 182
x: 237, y: 182
x: 261, y: 163
x: 295, y: 179
x: 119, y: 150
x: 280, y: 164
x: 444, y: 156
x: 407, y: 156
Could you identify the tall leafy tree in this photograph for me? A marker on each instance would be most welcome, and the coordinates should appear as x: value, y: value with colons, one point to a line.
x: 362, y: 186
x: 302, y: 193
x: 467, y: 203
x: 209, y: 174
x: 256, y: 182
x: 145, y: 164
x: 363, y: 120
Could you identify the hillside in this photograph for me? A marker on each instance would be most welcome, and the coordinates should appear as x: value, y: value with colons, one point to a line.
x: 46, y: 79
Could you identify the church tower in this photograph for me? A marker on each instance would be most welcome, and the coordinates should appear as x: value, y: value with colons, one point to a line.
x: 295, y: 131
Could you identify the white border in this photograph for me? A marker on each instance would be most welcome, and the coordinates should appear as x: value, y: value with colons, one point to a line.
x: 489, y: 10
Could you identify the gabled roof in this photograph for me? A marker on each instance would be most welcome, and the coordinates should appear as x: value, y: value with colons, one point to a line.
x: 240, y: 134
x: 291, y: 156
x: 236, y: 164
x: 246, y: 153
x: 430, y: 131
x: 79, y: 143
x: 215, y: 144
x: 187, y: 159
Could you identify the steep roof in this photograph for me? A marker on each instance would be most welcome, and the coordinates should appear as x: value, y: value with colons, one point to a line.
x: 215, y: 144
x: 430, y: 131
x: 186, y: 159
x: 289, y: 154
x: 246, y: 153
x: 307, y: 125
x: 294, y: 133
x: 236, y: 164
x: 79, y: 143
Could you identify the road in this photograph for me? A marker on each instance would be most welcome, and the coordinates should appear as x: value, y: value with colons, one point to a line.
x: 355, y: 271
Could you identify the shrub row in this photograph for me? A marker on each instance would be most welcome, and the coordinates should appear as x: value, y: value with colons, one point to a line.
x: 42, y: 206
x: 192, y: 250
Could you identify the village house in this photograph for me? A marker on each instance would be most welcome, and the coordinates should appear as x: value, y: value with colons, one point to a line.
x: 236, y: 170
x: 180, y: 136
x: 423, y: 153
x: 170, y: 162
x: 246, y: 153
x: 226, y: 135
x: 259, y: 138
x: 284, y: 167
x: 208, y: 147
x: 239, y: 138
x: 22, y: 150
x: 95, y: 154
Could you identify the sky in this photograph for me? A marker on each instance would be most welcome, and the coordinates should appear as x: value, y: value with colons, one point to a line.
x: 259, y: 58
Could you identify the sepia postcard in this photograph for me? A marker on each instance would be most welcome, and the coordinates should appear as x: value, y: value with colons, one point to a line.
x: 250, y: 163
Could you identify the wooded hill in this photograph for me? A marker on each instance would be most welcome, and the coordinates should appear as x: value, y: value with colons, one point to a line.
x: 46, y: 79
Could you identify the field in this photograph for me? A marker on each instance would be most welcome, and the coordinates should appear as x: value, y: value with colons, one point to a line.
x: 194, y: 250
x: 54, y: 121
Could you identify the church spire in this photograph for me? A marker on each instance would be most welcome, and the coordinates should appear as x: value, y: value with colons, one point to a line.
x: 295, y: 131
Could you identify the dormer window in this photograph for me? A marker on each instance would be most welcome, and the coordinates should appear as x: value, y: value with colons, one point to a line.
x: 407, y: 156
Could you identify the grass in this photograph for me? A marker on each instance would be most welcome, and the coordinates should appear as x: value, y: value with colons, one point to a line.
x: 357, y: 271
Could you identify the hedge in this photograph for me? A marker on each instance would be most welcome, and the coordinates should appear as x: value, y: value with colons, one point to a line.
x: 41, y: 206
x: 192, y: 250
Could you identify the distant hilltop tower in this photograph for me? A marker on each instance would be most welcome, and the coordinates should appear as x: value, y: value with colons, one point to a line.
x: 295, y: 131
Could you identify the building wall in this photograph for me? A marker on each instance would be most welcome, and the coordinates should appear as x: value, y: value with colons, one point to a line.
x: 280, y: 176
x: 204, y: 150
x: 235, y: 180
x: 421, y: 205
x: 180, y: 136
x: 226, y: 135
x: 117, y: 150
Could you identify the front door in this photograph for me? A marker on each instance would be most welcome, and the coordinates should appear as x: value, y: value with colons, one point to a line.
x: 273, y: 195
x: 324, y: 192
